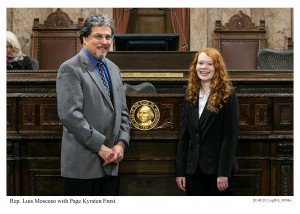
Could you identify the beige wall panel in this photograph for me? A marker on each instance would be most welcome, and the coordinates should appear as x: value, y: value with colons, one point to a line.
x: 278, y: 23
x: 198, y: 29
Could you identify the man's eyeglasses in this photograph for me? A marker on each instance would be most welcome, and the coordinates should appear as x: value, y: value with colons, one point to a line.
x: 101, y: 37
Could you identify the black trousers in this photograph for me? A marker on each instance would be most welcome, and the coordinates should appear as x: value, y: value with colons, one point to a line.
x: 106, y: 186
x: 205, y: 185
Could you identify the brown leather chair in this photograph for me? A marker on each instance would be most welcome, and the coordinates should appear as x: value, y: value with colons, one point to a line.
x: 239, y: 40
x: 56, y: 40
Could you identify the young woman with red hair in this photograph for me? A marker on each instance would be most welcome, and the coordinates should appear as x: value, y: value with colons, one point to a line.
x: 205, y: 160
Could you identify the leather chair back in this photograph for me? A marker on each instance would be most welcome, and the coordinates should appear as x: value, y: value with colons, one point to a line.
x: 239, y: 40
x: 56, y: 40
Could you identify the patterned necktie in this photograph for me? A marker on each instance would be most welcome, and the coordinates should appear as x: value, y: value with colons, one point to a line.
x: 103, y: 77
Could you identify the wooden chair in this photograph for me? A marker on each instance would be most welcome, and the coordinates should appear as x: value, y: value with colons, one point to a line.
x: 56, y: 40
x: 239, y: 40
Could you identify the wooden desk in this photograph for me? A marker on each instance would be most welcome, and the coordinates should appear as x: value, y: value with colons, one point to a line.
x: 164, y: 60
x: 265, y: 147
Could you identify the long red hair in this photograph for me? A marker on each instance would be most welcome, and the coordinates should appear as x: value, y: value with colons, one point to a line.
x: 220, y: 86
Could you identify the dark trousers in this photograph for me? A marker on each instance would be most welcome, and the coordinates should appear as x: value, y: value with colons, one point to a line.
x: 205, y: 185
x: 106, y: 186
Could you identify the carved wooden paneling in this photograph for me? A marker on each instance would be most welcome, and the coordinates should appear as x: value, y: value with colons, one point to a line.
x: 28, y: 116
x: 12, y: 168
x: 256, y: 114
x: 11, y: 115
x: 38, y: 115
x: 282, y: 181
x: 58, y: 20
x: 283, y: 149
x: 167, y: 116
x: 11, y: 177
x: 261, y: 117
x: 282, y: 167
x: 283, y: 114
x: 32, y: 171
x: 264, y: 151
x: 33, y: 166
x: 247, y: 183
x: 254, y: 173
x: 49, y: 116
x: 245, y: 114
x: 45, y: 182
x: 253, y: 160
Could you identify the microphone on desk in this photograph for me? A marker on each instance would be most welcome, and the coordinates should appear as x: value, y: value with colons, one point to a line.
x: 121, y: 17
x: 180, y: 28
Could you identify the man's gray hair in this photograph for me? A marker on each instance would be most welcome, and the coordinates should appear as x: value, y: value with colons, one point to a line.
x: 96, y: 21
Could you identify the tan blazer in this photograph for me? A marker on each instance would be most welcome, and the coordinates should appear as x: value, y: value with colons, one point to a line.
x: 89, y: 117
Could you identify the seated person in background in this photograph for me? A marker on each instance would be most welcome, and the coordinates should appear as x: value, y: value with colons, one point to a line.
x: 15, y: 59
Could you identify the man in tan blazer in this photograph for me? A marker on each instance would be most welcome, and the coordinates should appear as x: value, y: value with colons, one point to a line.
x: 96, y: 124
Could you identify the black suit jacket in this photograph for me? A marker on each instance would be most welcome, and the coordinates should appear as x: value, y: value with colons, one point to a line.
x: 24, y: 64
x: 209, y: 141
